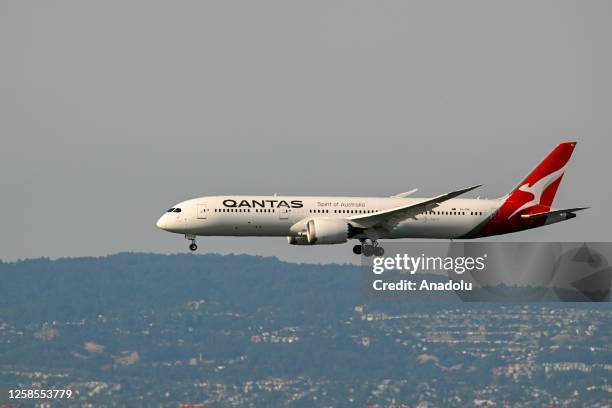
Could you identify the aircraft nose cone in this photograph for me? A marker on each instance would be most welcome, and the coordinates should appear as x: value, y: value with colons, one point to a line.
x: 161, y: 223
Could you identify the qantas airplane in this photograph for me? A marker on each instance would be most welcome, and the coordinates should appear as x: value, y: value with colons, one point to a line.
x: 335, y: 220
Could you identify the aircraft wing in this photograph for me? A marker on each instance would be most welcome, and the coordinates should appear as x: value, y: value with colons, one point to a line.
x: 406, y: 194
x: 547, y: 213
x: 391, y: 217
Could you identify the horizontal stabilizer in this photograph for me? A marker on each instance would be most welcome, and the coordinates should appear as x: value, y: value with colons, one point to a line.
x: 554, y: 212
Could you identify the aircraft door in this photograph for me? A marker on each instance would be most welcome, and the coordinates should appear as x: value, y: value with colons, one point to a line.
x: 283, y: 213
x: 202, y: 211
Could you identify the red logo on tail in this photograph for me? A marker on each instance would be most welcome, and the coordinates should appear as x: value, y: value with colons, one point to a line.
x: 538, y: 190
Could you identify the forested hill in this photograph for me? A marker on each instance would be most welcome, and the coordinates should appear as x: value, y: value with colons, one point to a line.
x: 149, y: 330
x: 80, y: 288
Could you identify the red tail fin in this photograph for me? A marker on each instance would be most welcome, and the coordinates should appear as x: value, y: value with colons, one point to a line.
x: 537, y: 191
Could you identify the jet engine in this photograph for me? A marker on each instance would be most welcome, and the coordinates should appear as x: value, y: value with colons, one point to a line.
x: 327, y: 231
x: 298, y: 240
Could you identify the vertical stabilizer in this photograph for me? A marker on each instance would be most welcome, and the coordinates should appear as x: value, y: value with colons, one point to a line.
x: 537, y: 192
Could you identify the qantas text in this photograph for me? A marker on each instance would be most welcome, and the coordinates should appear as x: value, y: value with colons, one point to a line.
x: 263, y: 203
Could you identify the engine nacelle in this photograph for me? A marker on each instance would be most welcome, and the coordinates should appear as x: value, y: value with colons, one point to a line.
x: 327, y: 231
x: 298, y: 240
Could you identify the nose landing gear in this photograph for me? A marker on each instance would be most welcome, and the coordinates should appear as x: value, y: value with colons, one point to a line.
x: 368, y: 250
x: 192, y: 238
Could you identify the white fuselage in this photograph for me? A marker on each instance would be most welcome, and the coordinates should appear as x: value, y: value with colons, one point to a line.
x: 334, y: 220
x: 286, y: 215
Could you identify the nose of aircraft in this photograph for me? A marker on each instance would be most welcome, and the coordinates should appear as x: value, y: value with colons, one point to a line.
x: 161, y: 223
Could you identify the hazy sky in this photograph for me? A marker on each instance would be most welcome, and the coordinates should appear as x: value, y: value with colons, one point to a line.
x: 113, y: 111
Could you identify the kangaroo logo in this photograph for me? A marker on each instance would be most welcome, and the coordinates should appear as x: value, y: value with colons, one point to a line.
x: 537, y: 189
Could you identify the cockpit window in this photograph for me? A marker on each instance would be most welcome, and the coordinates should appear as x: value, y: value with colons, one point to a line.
x: 177, y: 210
x: 170, y: 210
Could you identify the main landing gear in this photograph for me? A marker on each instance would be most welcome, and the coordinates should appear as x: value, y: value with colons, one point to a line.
x: 192, y: 238
x: 368, y: 250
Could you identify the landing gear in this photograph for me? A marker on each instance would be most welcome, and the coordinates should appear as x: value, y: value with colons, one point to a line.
x: 368, y: 250
x: 192, y: 238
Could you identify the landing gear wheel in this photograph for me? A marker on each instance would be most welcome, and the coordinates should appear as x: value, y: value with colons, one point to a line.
x: 379, y: 251
x: 367, y: 250
x: 357, y: 249
x: 192, y: 238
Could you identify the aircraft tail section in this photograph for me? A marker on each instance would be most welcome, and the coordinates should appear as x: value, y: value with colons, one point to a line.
x: 535, y: 194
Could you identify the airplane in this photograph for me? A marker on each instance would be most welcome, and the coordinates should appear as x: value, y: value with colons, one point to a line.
x: 307, y: 220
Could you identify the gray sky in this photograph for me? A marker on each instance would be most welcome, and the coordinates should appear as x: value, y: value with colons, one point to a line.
x: 113, y: 111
